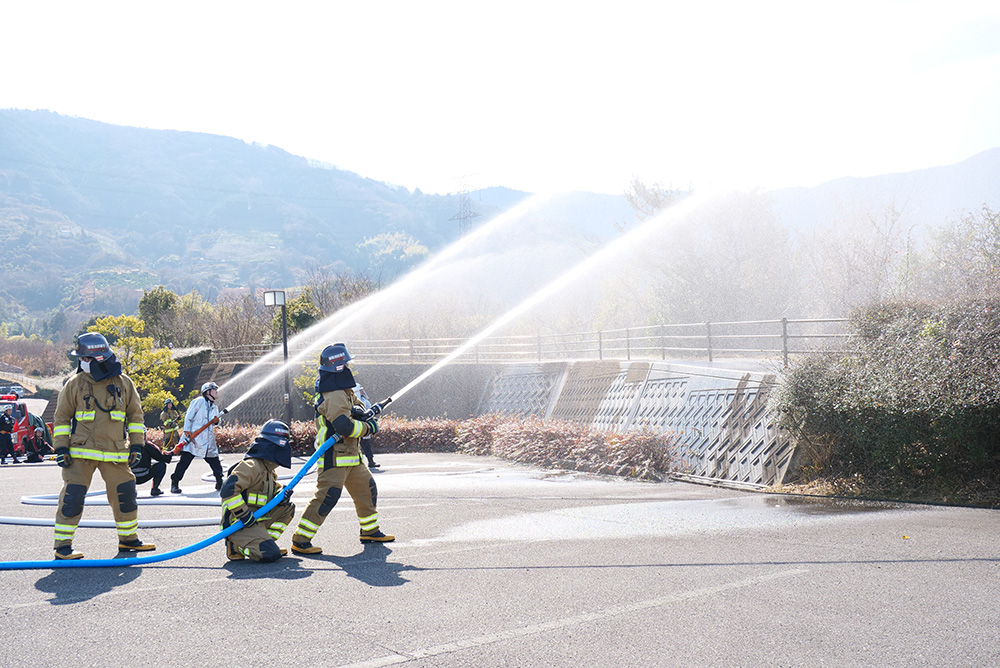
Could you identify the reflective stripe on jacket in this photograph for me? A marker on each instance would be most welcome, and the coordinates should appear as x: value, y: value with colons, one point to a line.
x: 98, y: 419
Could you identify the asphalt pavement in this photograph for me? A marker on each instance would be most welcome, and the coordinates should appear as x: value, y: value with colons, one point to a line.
x: 498, y: 564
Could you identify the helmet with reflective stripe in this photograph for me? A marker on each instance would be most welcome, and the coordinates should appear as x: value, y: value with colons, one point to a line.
x: 92, y: 344
x: 334, y: 358
x: 273, y: 444
x: 208, y: 386
x: 276, y: 431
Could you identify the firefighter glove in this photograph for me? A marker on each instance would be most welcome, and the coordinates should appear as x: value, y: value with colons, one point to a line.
x: 246, y: 517
x: 287, y: 494
x: 63, y: 458
x: 358, y: 412
x: 134, y: 454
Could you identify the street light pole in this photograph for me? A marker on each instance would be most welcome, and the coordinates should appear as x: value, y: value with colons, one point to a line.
x: 277, y: 298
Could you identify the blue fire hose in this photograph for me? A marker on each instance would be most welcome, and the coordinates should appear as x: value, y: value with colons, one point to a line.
x: 154, y: 558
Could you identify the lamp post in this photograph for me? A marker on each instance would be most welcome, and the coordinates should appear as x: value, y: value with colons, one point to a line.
x: 277, y: 298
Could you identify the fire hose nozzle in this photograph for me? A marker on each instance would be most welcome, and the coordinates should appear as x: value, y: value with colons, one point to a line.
x: 379, y: 407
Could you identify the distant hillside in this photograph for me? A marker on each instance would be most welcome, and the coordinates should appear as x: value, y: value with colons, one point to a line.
x: 91, y: 213
x: 926, y: 197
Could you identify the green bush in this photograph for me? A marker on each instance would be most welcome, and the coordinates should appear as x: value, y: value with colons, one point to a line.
x: 918, y: 393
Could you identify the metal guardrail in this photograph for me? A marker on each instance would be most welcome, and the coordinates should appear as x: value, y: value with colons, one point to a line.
x: 707, y: 340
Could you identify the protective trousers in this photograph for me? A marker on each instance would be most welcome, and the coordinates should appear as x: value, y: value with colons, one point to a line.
x: 156, y: 473
x: 185, y: 462
x: 329, y: 483
x: 248, y: 541
x: 120, y: 482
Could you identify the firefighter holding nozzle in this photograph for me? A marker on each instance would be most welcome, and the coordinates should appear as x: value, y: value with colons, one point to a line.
x: 340, y: 412
x: 97, y: 427
x: 250, y: 485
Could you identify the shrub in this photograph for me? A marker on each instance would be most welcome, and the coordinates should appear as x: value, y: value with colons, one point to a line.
x: 917, y: 395
x: 547, y: 443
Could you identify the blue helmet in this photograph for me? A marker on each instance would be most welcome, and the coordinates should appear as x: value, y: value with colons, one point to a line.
x: 92, y: 344
x: 334, y: 358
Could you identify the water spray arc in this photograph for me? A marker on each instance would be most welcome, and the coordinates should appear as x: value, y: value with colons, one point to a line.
x: 323, y: 332
x: 552, y: 288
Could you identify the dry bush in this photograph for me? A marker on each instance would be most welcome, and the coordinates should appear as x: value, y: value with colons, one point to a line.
x: 547, y: 443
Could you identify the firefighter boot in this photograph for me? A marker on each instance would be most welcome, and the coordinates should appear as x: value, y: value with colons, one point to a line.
x: 377, y: 537
x: 305, y: 548
x: 66, y: 552
x: 156, y: 491
x: 174, y: 487
x: 232, y: 553
x: 135, y: 545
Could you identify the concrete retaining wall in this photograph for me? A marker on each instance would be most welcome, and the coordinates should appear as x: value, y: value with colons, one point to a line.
x: 717, y: 415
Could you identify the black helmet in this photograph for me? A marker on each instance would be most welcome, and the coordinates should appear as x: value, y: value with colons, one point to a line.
x: 277, y: 432
x: 273, y: 444
x: 167, y: 402
x: 334, y: 358
x: 92, y: 344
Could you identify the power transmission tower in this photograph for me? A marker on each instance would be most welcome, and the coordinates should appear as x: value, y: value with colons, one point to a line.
x: 465, y: 212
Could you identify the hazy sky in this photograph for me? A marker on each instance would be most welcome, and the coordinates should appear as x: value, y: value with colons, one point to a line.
x: 534, y: 95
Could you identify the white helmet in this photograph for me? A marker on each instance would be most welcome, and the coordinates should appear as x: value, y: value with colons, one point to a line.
x: 208, y: 386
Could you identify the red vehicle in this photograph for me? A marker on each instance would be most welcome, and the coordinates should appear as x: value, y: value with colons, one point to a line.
x: 26, y: 422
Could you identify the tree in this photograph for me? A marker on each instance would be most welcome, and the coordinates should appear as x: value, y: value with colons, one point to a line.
x: 158, y: 309
x: 393, y: 250
x: 647, y: 201
x: 331, y: 291
x: 237, y: 320
x: 300, y: 313
x: 151, y: 369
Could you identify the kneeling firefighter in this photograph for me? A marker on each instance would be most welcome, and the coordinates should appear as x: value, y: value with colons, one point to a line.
x: 339, y: 411
x: 250, y: 485
x: 97, y: 427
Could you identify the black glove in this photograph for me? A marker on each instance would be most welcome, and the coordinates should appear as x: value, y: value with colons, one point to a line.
x: 287, y: 493
x: 372, y: 426
x: 246, y: 517
x: 63, y: 460
x: 358, y: 413
x: 134, y: 454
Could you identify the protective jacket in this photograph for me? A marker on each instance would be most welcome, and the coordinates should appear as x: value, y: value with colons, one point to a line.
x: 7, y: 424
x: 171, y: 424
x: 251, y: 484
x: 331, y: 407
x: 200, y: 412
x: 98, y: 419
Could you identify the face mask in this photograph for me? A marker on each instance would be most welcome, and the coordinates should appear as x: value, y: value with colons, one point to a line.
x: 85, y: 366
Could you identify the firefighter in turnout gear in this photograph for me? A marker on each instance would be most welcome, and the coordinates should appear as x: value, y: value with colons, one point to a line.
x: 172, y: 423
x: 97, y: 427
x: 340, y: 413
x: 250, y: 485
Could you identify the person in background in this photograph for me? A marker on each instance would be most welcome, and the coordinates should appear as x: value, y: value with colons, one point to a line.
x: 202, y: 416
x: 7, y: 426
x: 97, y: 427
x: 170, y: 417
x: 35, y: 446
x: 366, y: 442
x: 251, y: 484
x: 151, y: 465
x: 339, y: 413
